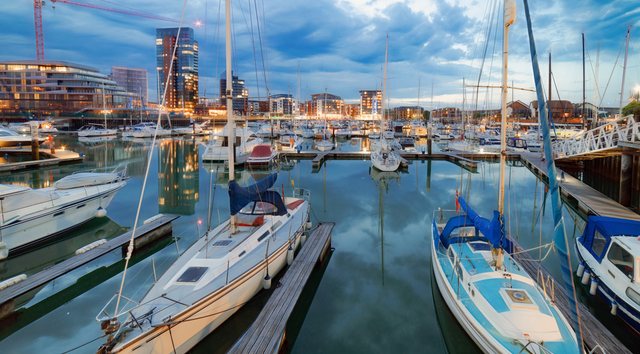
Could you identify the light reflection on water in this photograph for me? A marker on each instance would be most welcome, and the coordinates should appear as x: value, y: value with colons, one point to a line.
x: 376, y: 292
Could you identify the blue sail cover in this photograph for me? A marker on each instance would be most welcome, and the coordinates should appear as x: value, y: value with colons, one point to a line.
x: 258, y: 192
x: 490, y: 228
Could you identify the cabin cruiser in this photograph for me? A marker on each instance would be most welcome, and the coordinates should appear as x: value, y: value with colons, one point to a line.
x: 145, y: 130
x: 30, y: 216
x: 262, y: 156
x: 95, y: 130
x: 217, y: 151
x: 609, y: 253
x: 9, y: 138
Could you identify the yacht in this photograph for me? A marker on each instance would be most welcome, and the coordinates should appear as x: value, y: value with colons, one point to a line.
x: 609, y: 253
x: 145, y: 130
x: 217, y: 148
x: 30, y: 216
x: 262, y: 156
x: 9, y: 138
x: 95, y: 130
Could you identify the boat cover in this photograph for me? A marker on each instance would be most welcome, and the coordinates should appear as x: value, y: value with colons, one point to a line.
x: 258, y: 192
x: 608, y: 227
x: 261, y: 151
x: 490, y: 229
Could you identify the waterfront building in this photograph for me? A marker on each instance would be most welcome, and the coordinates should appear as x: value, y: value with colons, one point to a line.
x: 448, y: 114
x: 370, y: 103
x: 56, y: 88
x: 182, y: 90
x: 258, y: 107
x: 407, y: 112
x: 352, y: 110
x: 133, y: 80
x: 240, y: 93
x: 326, y: 105
x: 561, y: 110
x: 282, y: 104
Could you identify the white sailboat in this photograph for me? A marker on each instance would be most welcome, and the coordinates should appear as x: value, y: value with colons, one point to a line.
x: 493, y: 298
x: 97, y: 130
x: 383, y: 156
x: 221, y: 271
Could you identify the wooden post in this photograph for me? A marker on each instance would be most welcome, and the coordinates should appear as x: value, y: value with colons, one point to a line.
x: 626, y: 167
x: 35, y: 146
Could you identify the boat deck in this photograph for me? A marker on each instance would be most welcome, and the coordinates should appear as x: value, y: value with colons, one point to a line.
x: 267, y: 332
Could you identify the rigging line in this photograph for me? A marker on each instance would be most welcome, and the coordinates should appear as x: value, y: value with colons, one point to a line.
x: 149, y: 158
x: 610, y: 76
x: 262, y: 54
x: 484, y: 53
x: 253, y: 45
x: 597, y: 84
x: 493, y: 54
x: 215, y: 40
x: 82, y: 345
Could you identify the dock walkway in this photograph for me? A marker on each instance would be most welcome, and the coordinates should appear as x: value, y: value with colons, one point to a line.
x: 267, y: 332
x: 60, y: 157
x: 146, y: 233
x: 594, y: 333
x: 588, y: 200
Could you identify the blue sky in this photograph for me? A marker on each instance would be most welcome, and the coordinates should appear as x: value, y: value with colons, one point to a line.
x: 338, y: 45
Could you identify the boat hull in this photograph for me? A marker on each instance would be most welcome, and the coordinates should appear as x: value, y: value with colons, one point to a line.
x: 193, y: 325
x: 44, y: 225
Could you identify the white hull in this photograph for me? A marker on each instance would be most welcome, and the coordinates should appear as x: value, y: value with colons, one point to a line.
x: 389, y: 164
x: 51, y: 220
x: 97, y: 133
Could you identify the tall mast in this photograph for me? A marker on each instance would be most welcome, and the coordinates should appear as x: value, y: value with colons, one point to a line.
x: 509, y: 18
x: 584, y: 94
x: 229, y: 94
x: 624, y: 66
x: 384, y: 82
x: 104, y: 107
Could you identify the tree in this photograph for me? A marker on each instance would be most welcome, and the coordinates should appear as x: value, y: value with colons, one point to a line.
x: 632, y: 108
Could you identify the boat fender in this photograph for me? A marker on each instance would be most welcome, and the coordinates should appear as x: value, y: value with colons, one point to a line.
x: 303, y: 238
x: 585, y: 277
x: 266, y: 282
x: 152, y: 219
x: 12, y: 281
x: 290, y: 255
x: 90, y: 246
x: 594, y: 286
x: 580, y: 270
x: 101, y: 212
x: 4, y: 250
x: 308, y: 225
x: 614, y: 308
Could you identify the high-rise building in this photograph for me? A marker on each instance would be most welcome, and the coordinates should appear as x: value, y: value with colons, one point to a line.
x: 54, y: 88
x: 370, y: 102
x: 182, y: 86
x: 134, y: 81
x: 240, y: 94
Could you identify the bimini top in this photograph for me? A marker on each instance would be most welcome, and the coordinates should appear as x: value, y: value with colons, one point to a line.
x: 258, y: 192
x: 489, y: 228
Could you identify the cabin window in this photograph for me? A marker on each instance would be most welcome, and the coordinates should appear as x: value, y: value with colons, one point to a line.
x: 622, y: 259
x: 633, y: 295
x: 259, y: 208
x: 599, y: 242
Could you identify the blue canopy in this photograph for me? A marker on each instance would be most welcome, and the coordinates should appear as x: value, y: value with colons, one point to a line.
x: 607, y: 227
x: 490, y: 229
x: 258, y: 192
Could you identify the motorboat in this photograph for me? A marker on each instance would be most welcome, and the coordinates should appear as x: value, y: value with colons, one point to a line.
x: 217, y: 150
x: 609, y: 253
x: 262, y: 156
x: 145, y: 130
x: 288, y: 141
x: 95, y: 130
x: 324, y: 145
x: 195, y: 129
x: 30, y: 216
x: 9, y: 138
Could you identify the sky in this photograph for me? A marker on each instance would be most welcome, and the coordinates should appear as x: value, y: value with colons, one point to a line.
x: 338, y: 46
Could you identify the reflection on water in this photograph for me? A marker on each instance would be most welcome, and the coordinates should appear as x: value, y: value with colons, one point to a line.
x: 352, y: 311
x: 178, y: 177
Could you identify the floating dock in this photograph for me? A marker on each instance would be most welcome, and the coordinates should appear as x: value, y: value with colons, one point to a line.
x: 594, y: 333
x: 268, y: 331
x: 585, y: 199
x: 145, y: 235
x: 59, y: 157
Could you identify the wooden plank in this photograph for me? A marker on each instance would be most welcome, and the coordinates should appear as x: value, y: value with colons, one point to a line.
x: 267, y: 331
x: 586, y: 197
x: 593, y: 331
x: 74, y: 262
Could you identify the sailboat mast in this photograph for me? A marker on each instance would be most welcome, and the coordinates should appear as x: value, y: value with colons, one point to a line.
x: 624, y: 66
x: 384, y: 83
x: 229, y: 94
x: 509, y: 18
x: 104, y: 107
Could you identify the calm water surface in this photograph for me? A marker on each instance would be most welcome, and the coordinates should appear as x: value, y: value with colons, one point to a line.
x: 376, y: 294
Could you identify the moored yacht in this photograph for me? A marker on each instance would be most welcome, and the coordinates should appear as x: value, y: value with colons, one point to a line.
x: 30, y: 216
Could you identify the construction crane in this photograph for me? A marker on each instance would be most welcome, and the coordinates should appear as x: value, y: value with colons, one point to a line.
x: 37, y: 16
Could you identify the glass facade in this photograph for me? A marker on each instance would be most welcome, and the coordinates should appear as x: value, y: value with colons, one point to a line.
x: 182, y: 85
x: 370, y: 102
x: 56, y: 89
x: 240, y: 93
x: 326, y: 104
x: 133, y: 81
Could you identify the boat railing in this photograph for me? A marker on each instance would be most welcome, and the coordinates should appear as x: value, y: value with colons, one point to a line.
x: 534, y: 347
x: 302, y: 194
